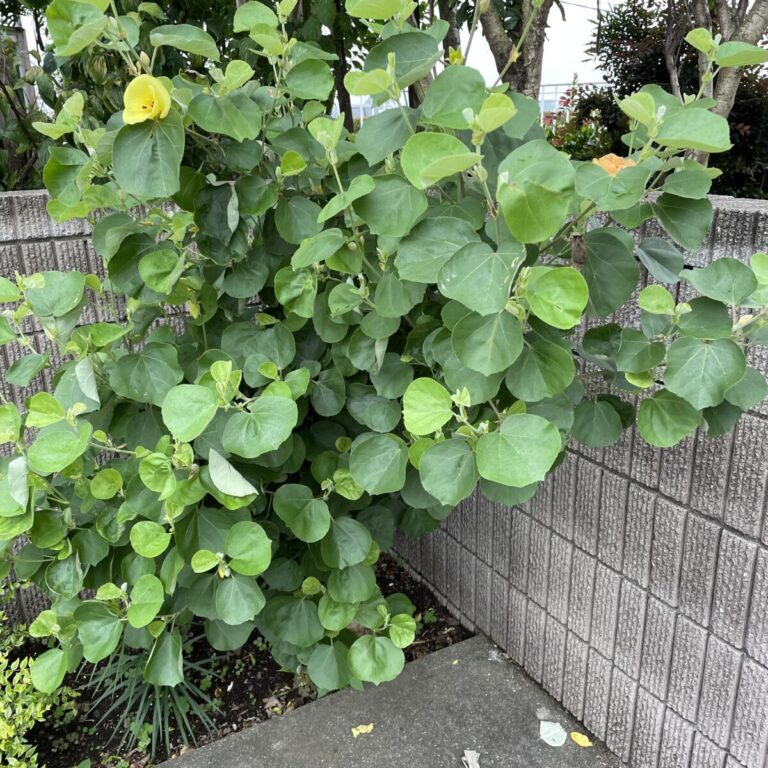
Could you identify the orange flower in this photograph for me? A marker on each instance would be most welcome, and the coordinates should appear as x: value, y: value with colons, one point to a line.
x: 613, y: 163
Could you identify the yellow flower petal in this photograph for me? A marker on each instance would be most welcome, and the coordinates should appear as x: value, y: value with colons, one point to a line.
x: 612, y: 163
x: 581, y: 739
x: 359, y: 730
x: 145, y: 98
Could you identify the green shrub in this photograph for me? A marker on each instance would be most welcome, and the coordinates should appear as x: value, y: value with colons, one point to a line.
x: 376, y: 324
x: 22, y: 706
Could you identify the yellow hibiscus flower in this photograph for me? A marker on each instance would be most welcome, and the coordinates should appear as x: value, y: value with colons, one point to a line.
x: 145, y: 98
x: 612, y: 164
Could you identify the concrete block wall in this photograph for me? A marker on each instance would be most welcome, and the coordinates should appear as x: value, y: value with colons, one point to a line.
x: 634, y: 586
x: 30, y: 241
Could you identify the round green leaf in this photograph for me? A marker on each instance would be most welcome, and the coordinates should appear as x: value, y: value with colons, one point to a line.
x: 725, y: 280
x: 48, y: 670
x: 479, y: 277
x: 402, y: 630
x: 430, y: 244
x: 149, y: 539
x: 487, y: 344
x: 106, y: 483
x: 520, y: 452
x: 543, y: 370
x: 375, y: 659
x: 327, y: 666
x: 534, y: 190
x: 146, y: 376
x: 427, y: 406
x: 346, y: 543
x: 392, y: 208
x: 264, y: 427
x: 378, y: 462
x: 455, y: 89
x: 165, y: 666
x: 448, y: 471
x: 293, y: 620
x: 238, y: 599
x: 665, y: 419
x: 147, y: 598
x: 56, y: 448
x: 307, y: 517
x: 249, y: 547
x: 147, y: 156
x: 701, y: 371
x: 596, y: 423
x: 188, y: 409
x: 335, y: 616
x: 429, y: 157
x: 354, y: 584
x: 557, y: 295
x: 99, y: 630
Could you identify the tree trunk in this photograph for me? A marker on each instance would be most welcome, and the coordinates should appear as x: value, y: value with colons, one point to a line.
x: 339, y: 71
x: 524, y: 75
x: 448, y: 13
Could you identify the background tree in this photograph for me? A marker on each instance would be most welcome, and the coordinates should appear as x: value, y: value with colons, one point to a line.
x: 632, y: 43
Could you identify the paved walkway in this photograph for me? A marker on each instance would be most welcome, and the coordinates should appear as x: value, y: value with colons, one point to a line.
x: 466, y: 697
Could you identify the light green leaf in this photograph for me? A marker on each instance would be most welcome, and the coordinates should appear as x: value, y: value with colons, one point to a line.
x: 48, y: 670
x: 149, y: 539
x: 147, y: 598
x: 520, y: 452
x: 185, y: 37
x: 327, y: 666
x: 695, y: 128
x: 557, y: 295
x: 250, y: 549
x: 375, y: 659
x: 226, y: 478
x: 534, y: 190
x: 455, y: 89
x: 165, y: 666
x: 665, y: 419
x: 427, y: 406
x: 56, y: 449
x: 188, y: 409
x: 448, y: 471
x: 701, y: 372
x: 233, y: 115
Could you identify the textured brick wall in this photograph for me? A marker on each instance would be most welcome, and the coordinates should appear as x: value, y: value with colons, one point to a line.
x: 634, y: 587
x: 31, y: 242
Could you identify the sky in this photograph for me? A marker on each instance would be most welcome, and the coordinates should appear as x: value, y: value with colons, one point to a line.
x: 564, y: 52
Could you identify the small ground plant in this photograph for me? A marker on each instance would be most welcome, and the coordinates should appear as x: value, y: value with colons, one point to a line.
x: 308, y: 339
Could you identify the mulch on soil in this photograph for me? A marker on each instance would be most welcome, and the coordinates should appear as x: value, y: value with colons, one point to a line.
x: 249, y: 687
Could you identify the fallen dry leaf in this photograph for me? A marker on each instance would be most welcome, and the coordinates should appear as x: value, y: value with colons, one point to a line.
x: 552, y: 733
x: 359, y: 730
x: 471, y: 759
x: 581, y: 739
